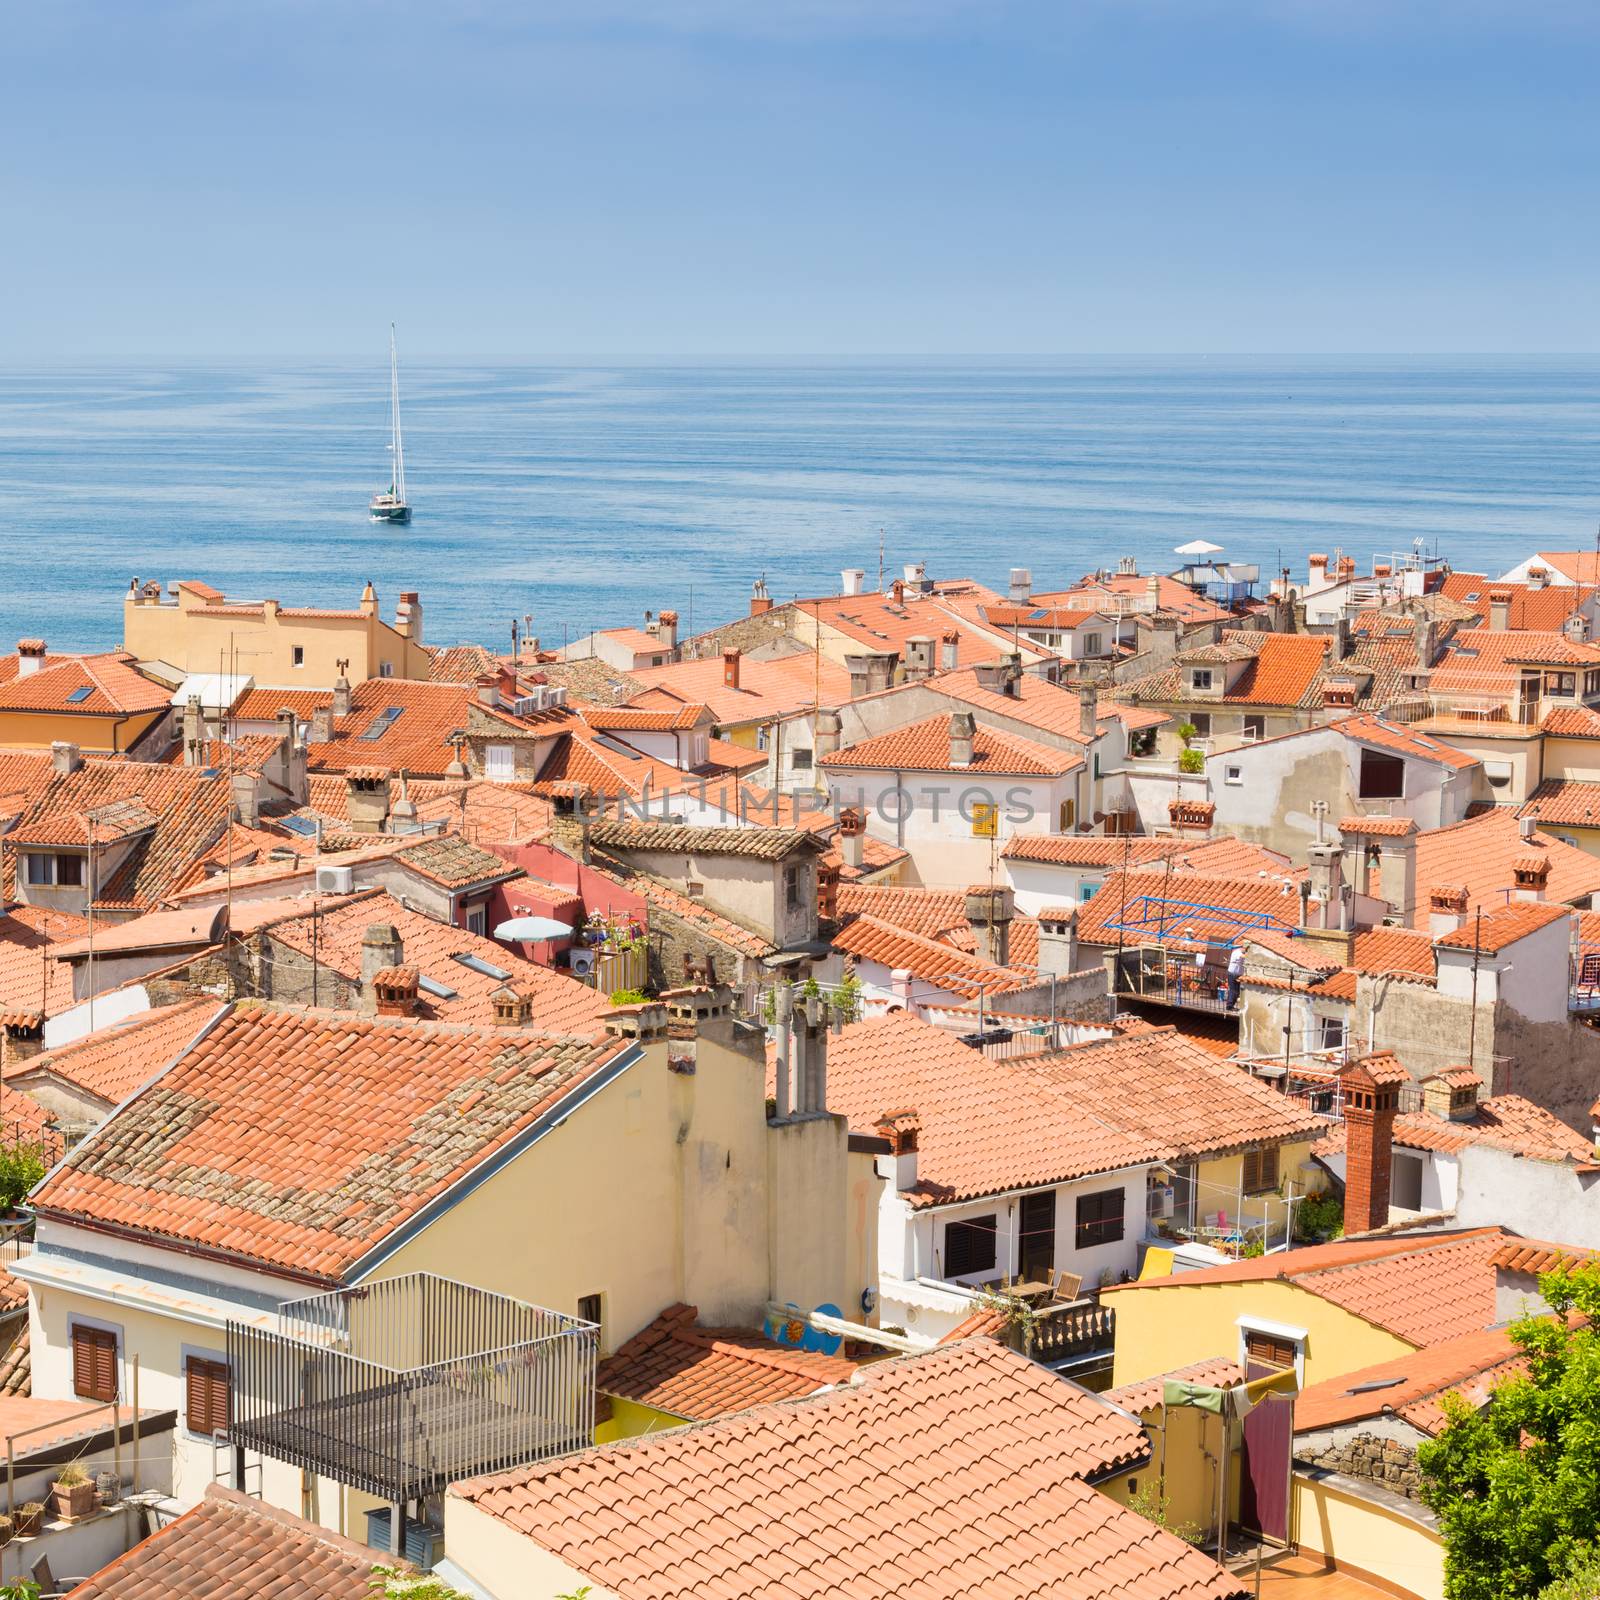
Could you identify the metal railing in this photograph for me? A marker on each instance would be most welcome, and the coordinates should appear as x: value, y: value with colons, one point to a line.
x: 1170, y: 979
x: 402, y: 1386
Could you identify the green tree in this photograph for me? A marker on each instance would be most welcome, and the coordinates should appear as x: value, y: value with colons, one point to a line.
x: 1517, y: 1485
x: 21, y: 1166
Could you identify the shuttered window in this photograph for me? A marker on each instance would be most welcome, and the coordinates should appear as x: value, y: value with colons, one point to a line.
x: 206, y: 1394
x: 969, y: 1247
x: 1099, y: 1219
x: 1268, y: 1350
x: 1260, y: 1170
x: 94, y: 1363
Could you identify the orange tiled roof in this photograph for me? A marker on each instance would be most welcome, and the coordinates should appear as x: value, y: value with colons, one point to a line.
x: 1050, y: 707
x: 233, y: 1547
x: 767, y: 689
x: 302, y: 1140
x: 698, y: 1373
x: 1217, y: 1372
x: 1478, y: 854
x: 16, y: 1367
x: 1571, y: 722
x: 24, y: 1121
x: 449, y: 860
x: 930, y: 912
x: 1503, y: 926
x: 115, y: 687
x: 985, y: 1323
x: 417, y: 741
x: 957, y: 1471
x: 1088, y: 850
x: 1544, y: 609
x: 925, y: 747
x: 762, y: 844
x: 461, y: 663
x: 1566, y: 802
x: 631, y: 719
x: 263, y: 705
x: 1285, y: 671
x: 1379, y: 827
x: 938, y: 965
x: 1506, y: 1121
x: 1182, y: 905
x: 1172, y: 596
x: 1379, y: 950
x: 1535, y: 1256
x: 29, y: 981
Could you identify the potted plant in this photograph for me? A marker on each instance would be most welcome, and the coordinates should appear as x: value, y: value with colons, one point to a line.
x: 72, y: 1492
x: 29, y: 1519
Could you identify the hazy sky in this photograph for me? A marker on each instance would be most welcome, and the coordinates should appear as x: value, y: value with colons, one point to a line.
x: 282, y: 177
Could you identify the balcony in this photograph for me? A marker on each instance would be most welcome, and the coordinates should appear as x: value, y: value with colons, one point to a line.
x: 403, y: 1386
x: 1167, y: 977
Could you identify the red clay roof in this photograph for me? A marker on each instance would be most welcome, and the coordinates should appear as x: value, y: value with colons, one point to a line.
x: 938, y: 965
x: 29, y: 980
x: 115, y: 687
x: 1378, y: 827
x: 1404, y: 740
x: 1506, y: 1121
x: 1503, y: 926
x: 233, y: 1547
x: 301, y: 1140
x: 1544, y: 608
x: 955, y: 1472
x: 1568, y: 802
x: 1478, y: 853
x: 698, y: 1373
x: 417, y: 741
x: 767, y: 689
x: 1218, y: 1372
x: 1088, y: 850
x: 1535, y: 1256
x: 1181, y: 906
x: 925, y: 747
x: 1571, y: 722
x: 113, y: 1062
x: 1389, y: 950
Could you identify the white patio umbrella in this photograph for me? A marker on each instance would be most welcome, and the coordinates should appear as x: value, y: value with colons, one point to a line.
x: 1198, y: 547
x: 524, y: 930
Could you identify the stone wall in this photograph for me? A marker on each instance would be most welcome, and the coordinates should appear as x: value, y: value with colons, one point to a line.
x: 1365, y: 1455
x: 743, y: 633
x: 671, y: 938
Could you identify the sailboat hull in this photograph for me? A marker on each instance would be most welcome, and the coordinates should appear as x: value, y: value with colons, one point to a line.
x: 390, y: 513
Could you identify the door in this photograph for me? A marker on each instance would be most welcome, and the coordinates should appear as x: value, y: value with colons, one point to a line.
x: 1036, y: 1253
x: 1264, y: 1469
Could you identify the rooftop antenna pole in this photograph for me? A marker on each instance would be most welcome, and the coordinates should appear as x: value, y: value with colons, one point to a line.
x: 880, y: 557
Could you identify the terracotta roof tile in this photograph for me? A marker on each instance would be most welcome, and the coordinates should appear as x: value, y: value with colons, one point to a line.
x: 1571, y: 722
x: 1544, y: 608
x: 644, y: 719
x: 1404, y: 740
x: 698, y: 1373
x: 1564, y: 801
x: 111, y: 1063
x: 95, y: 685
x: 1387, y: 950
x: 955, y: 1472
x: 232, y: 1547
x: 938, y: 964
x: 1218, y: 1372
x: 29, y: 980
x: 1536, y: 1256
x: 1503, y: 926
x: 1088, y: 850
x: 767, y: 689
x: 416, y: 741
x: 453, y: 862
x: 1182, y: 906
x: 925, y: 747
x: 763, y: 844
x: 16, y: 1366
x: 252, y: 1144
x: 263, y: 705
x: 1478, y: 854
x: 1378, y: 827
x: 460, y: 663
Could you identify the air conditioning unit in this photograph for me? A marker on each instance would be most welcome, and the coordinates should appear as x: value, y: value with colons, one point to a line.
x: 581, y: 963
x: 335, y: 880
x: 1161, y: 1202
x: 558, y: 695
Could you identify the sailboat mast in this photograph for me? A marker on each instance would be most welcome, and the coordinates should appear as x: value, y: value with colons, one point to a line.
x: 394, y: 411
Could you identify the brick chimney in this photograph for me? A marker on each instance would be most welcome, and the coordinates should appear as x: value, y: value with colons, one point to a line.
x: 21, y: 1036
x: 65, y: 758
x: 827, y: 891
x: 989, y: 912
x: 760, y: 600
x: 901, y: 1129
x: 396, y: 990
x: 730, y: 668
x: 569, y: 830
x: 1371, y: 1095
x: 1500, y: 609
x: 852, y: 832
x: 963, y: 733
x: 30, y: 656
x: 1447, y: 909
x: 1191, y: 818
x: 667, y: 631
x: 381, y: 949
x: 1530, y: 873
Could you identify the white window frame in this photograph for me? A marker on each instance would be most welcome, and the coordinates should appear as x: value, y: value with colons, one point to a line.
x: 500, y: 762
x: 1275, y: 1330
x: 1233, y: 774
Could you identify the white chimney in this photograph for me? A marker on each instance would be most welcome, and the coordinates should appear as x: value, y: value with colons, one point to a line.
x: 30, y: 656
x: 852, y: 579
x: 963, y: 730
x: 1021, y: 585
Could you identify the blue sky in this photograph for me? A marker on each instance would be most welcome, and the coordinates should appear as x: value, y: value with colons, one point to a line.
x: 739, y: 177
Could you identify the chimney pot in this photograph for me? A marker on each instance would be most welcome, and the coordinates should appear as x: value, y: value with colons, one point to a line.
x: 340, y: 706
x: 30, y: 656
x: 760, y: 600
x: 730, y: 668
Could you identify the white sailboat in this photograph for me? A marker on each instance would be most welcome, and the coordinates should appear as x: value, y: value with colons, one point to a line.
x: 393, y: 506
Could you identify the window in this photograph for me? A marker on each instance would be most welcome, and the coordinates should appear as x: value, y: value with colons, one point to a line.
x: 206, y: 1394
x: 79, y: 695
x: 1069, y: 816
x: 1591, y: 684
x: 1202, y: 724
x: 791, y: 888
x: 1088, y: 889
x: 69, y: 870
x: 1332, y: 1033
x: 63, y: 870
x: 984, y: 819
x: 41, y: 868
x: 1142, y: 743
x: 386, y: 669
x: 1233, y: 773
x: 299, y: 655
x: 1405, y: 1190
x: 1200, y: 678
x: 969, y: 1247
x: 592, y: 1308
x: 800, y: 759
x: 478, y: 921
x: 499, y: 761
x: 1564, y: 684
x: 1269, y: 1349
x: 1382, y: 777
x: 1093, y: 644
x: 1261, y: 1170
x: 1099, y: 1218
x: 1254, y: 727
x: 94, y: 1363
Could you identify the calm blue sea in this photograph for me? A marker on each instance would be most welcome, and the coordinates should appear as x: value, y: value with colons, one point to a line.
x: 581, y: 494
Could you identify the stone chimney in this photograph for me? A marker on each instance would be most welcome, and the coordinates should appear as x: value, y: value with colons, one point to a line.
x: 194, y: 733
x: 1021, y: 586
x: 919, y: 657
x: 949, y: 650
x: 782, y: 1049
x: 1000, y: 676
x: 811, y: 1018
x: 1426, y: 635
x: 513, y: 1009
x: 1088, y: 707
x: 1530, y: 874
x: 760, y: 600
x: 852, y: 581
x: 1576, y: 628
x: 396, y: 990
x: 408, y: 617
x: 1500, y: 609
x: 825, y: 736
x: 320, y: 730
x: 21, y: 1037
x: 30, y: 657
x: 1538, y: 577
x: 341, y: 697
x: 1447, y: 909
x: 403, y: 813
x: 871, y: 671
x: 1058, y: 941
x: 367, y: 799
x: 1344, y: 641
x: 65, y: 758
x: 381, y: 949
x: 990, y: 911
x: 488, y: 687
x: 901, y: 1129
x: 247, y: 798
x: 1152, y: 591
x: 852, y: 834
x: 569, y: 831
x: 1452, y: 1094
x: 1371, y: 1097
x: 1325, y: 905
x: 963, y: 733
x: 644, y: 1022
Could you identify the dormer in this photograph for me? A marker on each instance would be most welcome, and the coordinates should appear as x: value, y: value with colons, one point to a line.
x: 1339, y: 694
x: 1452, y: 1094
x: 1213, y: 671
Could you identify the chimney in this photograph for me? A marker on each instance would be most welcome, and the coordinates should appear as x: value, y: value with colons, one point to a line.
x: 642, y: 1022
x: 1530, y: 874
x: 381, y: 949
x: 827, y: 891
x: 1339, y: 694
x: 1344, y: 643
x: 1316, y: 571
x: 320, y: 730
x: 852, y: 581
x: 369, y: 601
x: 291, y: 758
x: 21, y: 1037
x: 1400, y: 875
x: 760, y: 600
x: 1191, y: 818
x: 1426, y: 636
x: 403, y: 812
x: 949, y: 650
x: 1382, y: 569
x: 1152, y: 591
x: 408, y: 617
x: 30, y: 656
x: 902, y: 981
x: 194, y: 733
x: 1371, y: 1087
x: 1500, y: 609
x: 1325, y: 899
x: 919, y: 657
x: 366, y: 799
x: 341, y: 696
x: 65, y: 758
x: 515, y: 1010
x: 871, y: 671
x: 901, y: 1128
x: 1447, y: 909
x: 1058, y: 942
x: 1088, y: 707
x: 1576, y: 628
x: 488, y: 687
x: 917, y: 577
x: 1538, y: 577
x: 247, y: 798
x: 897, y: 592
x: 396, y: 991
x: 1452, y: 1094
x: 963, y: 731
x: 782, y: 1049
x: 667, y: 630
x: 825, y: 734
x: 1021, y: 586
x: 1000, y: 676
x: 990, y: 910
x: 852, y: 833
x: 811, y: 1018
x: 730, y: 668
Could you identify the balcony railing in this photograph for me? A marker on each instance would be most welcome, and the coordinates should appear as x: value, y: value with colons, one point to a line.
x: 1168, y: 978
x: 402, y: 1386
x: 1063, y: 1332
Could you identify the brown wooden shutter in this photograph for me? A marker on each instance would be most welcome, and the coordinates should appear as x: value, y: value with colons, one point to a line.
x: 207, y: 1395
x: 1261, y: 1169
x: 1268, y: 1350
x: 94, y: 1364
